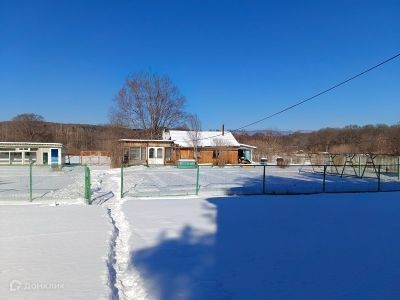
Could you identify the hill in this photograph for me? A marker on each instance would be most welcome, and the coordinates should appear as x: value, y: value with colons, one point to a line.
x: 75, y: 137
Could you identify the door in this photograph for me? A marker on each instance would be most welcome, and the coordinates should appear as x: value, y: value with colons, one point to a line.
x: 54, y: 156
x: 45, y: 158
x: 156, y: 156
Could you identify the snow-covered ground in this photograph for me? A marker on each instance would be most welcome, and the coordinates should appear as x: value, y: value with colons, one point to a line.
x: 267, y: 247
x: 323, y: 246
x: 54, y: 252
x: 64, y: 185
x: 230, y: 180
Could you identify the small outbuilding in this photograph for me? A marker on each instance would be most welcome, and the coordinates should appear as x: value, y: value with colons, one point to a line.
x: 24, y: 153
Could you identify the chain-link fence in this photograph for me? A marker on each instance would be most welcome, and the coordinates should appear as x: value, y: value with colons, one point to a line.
x: 258, y: 179
x: 41, y: 184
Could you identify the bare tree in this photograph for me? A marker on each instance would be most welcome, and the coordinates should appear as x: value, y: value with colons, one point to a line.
x: 29, y: 126
x: 148, y: 101
x: 194, y: 133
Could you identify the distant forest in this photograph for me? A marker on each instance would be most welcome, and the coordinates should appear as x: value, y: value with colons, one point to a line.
x: 371, y: 139
x: 76, y: 137
x: 377, y: 139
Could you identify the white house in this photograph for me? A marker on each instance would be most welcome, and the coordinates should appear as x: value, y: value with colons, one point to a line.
x: 23, y: 153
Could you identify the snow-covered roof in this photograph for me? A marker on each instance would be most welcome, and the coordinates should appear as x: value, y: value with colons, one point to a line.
x: 185, y: 138
x: 247, y: 146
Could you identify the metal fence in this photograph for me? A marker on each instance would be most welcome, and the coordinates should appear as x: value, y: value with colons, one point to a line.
x: 258, y: 179
x: 40, y: 183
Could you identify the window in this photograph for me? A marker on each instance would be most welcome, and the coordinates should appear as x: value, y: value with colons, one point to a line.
x: 151, y: 153
x: 143, y: 153
x: 167, y: 153
x: 215, y: 153
x: 125, y: 159
x: 159, y: 153
x: 134, y: 153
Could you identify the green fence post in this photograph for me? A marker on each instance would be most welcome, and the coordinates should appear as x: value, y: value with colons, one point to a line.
x: 324, y: 183
x: 89, y: 187
x: 359, y: 166
x: 122, y: 180
x: 379, y: 178
x: 197, y: 180
x: 264, y: 181
x: 398, y: 168
x: 88, y: 192
x: 30, y: 182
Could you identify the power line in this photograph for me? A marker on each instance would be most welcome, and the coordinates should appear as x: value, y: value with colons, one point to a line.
x: 320, y: 93
x: 312, y: 97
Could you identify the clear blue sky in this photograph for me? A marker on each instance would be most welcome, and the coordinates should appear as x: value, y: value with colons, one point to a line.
x: 235, y: 61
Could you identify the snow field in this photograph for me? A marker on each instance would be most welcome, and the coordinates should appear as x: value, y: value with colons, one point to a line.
x: 53, y: 252
x: 48, y: 185
x: 246, y: 180
x: 124, y: 282
x: 324, y: 246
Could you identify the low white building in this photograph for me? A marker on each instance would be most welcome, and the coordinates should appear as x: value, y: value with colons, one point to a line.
x: 24, y: 153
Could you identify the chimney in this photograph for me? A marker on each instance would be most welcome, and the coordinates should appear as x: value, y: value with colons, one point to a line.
x: 223, y: 129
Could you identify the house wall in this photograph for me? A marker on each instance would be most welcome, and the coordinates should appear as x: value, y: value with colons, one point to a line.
x: 26, y: 154
x: 207, y: 155
x: 223, y: 155
x: 123, y: 151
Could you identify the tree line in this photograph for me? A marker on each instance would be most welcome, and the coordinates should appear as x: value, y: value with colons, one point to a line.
x: 373, y: 139
x: 76, y: 137
x: 148, y: 102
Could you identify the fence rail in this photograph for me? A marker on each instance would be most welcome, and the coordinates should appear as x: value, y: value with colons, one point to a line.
x: 258, y: 179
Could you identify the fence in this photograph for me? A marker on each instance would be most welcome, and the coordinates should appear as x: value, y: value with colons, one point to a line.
x: 258, y: 179
x: 42, y: 183
x: 95, y: 158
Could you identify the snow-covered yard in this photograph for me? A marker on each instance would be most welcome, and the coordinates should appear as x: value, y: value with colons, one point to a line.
x: 248, y: 180
x: 64, y: 185
x: 323, y: 246
x: 54, y: 252
x: 267, y: 247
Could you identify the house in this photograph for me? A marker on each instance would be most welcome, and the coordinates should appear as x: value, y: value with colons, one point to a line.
x: 24, y: 153
x: 208, y: 147
x: 145, y: 152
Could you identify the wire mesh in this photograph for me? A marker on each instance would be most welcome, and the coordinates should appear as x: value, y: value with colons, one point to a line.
x: 260, y: 179
x: 163, y: 181
x: 47, y: 184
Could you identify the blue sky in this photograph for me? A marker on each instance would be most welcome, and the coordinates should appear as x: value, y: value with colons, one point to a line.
x: 235, y: 61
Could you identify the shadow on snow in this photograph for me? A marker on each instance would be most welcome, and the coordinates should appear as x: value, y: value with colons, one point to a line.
x: 282, y: 247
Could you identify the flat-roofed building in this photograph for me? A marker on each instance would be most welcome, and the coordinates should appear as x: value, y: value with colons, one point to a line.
x: 24, y: 153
